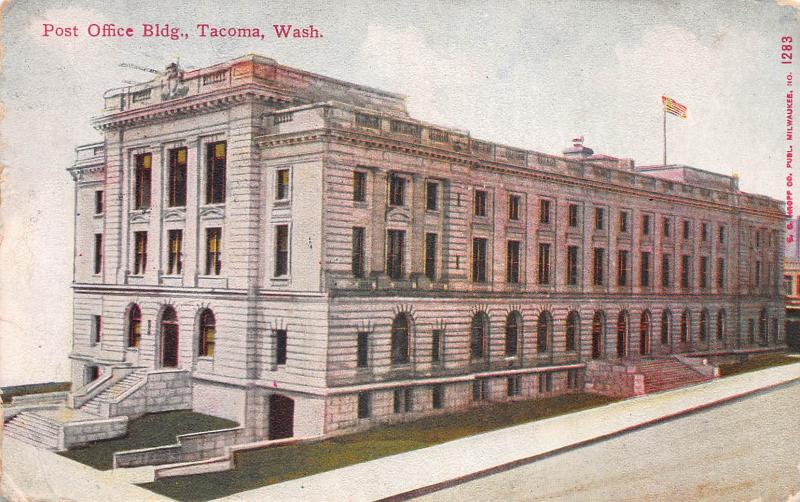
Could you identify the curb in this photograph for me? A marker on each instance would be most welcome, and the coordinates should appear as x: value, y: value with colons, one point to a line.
x: 442, y: 485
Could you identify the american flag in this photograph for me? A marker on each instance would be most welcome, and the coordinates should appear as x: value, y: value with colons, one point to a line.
x: 673, y: 107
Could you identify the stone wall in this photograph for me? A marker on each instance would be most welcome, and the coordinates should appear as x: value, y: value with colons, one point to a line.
x: 614, y: 380
x: 79, y: 433
x: 165, y: 390
x: 189, y: 447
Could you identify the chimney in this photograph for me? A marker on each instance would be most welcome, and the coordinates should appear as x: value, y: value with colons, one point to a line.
x: 577, y: 151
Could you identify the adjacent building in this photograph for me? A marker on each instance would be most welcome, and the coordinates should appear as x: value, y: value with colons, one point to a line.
x: 314, y: 259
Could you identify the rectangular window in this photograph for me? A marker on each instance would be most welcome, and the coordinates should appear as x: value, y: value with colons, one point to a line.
x: 644, y: 271
x: 645, y: 224
x: 667, y: 229
x: 98, y: 202
x: 720, y: 273
x: 758, y: 273
x: 175, y: 256
x: 98, y: 253
x: 280, y: 346
x: 397, y: 186
x: 598, y: 267
x: 622, y: 268
x: 281, y: 250
x: 572, y: 265
x: 436, y: 345
x: 544, y: 211
x: 477, y: 390
x: 432, y: 196
x: 395, y: 244
x: 177, y: 178
x: 599, y: 218
x: 97, y: 329
x: 704, y: 272
x: 666, y: 276
x: 213, y: 251
x: 397, y: 405
x: 623, y: 221
x: 722, y: 234
x: 358, y: 252
x: 408, y: 399
x: 362, y: 349
x: 545, y: 382
x: 140, y: 253
x: 282, y: 184
x: 513, y: 207
x: 215, y: 172
x: 430, y: 256
x: 758, y: 238
x: 573, y: 215
x: 687, y: 229
x: 704, y: 232
x: 572, y: 379
x: 480, y: 203
x: 686, y: 270
x: 363, y: 405
x: 512, y: 262
x: 437, y: 397
x: 544, y: 263
x: 144, y: 176
x: 512, y: 386
x: 478, y: 259
x: 359, y: 186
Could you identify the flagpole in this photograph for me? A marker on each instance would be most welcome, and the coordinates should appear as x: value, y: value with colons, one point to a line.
x: 664, y: 115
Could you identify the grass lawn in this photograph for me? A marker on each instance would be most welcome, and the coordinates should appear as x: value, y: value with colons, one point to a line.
x: 267, y: 466
x: 756, y: 363
x: 157, y: 429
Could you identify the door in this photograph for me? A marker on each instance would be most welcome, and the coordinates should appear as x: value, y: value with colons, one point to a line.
x: 281, y: 417
x: 169, y: 344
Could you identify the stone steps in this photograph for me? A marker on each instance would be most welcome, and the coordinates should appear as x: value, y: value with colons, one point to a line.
x: 113, y: 392
x: 665, y: 374
x: 33, y: 429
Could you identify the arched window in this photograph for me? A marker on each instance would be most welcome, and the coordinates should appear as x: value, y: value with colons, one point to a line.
x: 685, y: 322
x: 573, y: 327
x: 721, y: 321
x: 513, y: 325
x: 703, y: 325
x: 134, y: 326
x: 623, y: 326
x: 666, y: 322
x: 208, y: 331
x: 478, y: 331
x: 644, y: 333
x: 543, y: 331
x: 400, y: 329
x: 598, y: 322
x: 762, y: 326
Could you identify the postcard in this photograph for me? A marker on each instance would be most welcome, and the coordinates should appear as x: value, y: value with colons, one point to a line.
x: 320, y: 250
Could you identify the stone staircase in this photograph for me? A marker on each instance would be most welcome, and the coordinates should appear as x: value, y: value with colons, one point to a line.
x: 34, y: 429
x: 665, y: 374
x: 113, y: 392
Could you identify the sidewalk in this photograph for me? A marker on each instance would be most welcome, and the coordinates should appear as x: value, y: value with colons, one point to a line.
x: 34, y: 474
x: 419, y: 471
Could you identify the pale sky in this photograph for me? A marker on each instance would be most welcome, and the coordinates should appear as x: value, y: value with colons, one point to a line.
x: 528, y: 74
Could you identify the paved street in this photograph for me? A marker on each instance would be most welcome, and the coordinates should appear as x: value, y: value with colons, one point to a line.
x: 745, y: 450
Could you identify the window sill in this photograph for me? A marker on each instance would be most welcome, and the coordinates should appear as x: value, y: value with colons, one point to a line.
x: 131, y: 349
x: 283, y: 202
x: 283, y: 280
x: 97, y: 216
x: 205, y: 358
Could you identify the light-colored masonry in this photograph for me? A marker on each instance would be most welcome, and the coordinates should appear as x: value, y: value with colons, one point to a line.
x: 343, y: 264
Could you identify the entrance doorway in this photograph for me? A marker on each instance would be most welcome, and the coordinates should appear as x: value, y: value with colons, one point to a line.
x: 169, y: 338
x: 281, y: 417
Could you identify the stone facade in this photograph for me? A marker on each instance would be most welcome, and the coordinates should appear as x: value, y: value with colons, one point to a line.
x: 361, y: 266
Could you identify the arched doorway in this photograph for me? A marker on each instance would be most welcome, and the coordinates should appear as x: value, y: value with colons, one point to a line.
x: 644, y: 333
x: 169, y: 338
x: 281, y: 417
x: 597, y: 335
x: 623, y: 324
